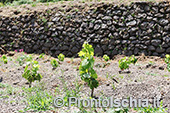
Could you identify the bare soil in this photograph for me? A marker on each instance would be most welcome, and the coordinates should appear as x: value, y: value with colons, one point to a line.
x: 149, y: 78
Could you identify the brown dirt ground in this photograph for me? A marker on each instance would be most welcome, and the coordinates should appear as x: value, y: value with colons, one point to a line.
x: 149, y: 78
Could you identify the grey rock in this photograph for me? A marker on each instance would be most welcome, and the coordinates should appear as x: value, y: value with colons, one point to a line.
x: 56, y: 19
x: 160, y: 50
x: 136, y: 51
x: 84, y: 25
x: 48, y: 44
x: 115, y: 17
x: 35, y: 47
x: 166, y: 39
x: 114, y: 52
x: 164, y: 45
x: 163, y: 22
x: 116, y: 12
x: 167, y: 28
x: 144, y: 25
x: 105, y: 41
x: 132, y: 38
x: 69, y: 54
x: 155, y: 54
x: 162, y: 10
x: 57, y: 52
x: 104, y: 26
x: 151, y: 48
x: 50, y: 24
x: 99, y: 16
x: 168, y: 50
x: 98, y: 50
x: 159, y: 15
x: 156, y: 42
x: 97, y: 27
x: 110, y: 47
x: 74, y: 50
x: 91, y: 25
x: 168, y: 10
x: 131, y: 23
x: 107, y: 18
x: 146, y: 38
x: 125, y: 42
x: 98, y: 22
x: 109, y: 23
x: 60, y: 28
x: 104, y: 47
x: 15, y: 27
x: 147, y: 8
x: 117, y: 42
x: 64, y: 48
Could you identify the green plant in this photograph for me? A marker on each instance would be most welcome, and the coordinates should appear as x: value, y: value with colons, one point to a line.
x: 106, y: 58
x: 1, y: 4
x: 4, y: 58
x: 167, y: 58
x: 167, y: 61
x: 61, y: 57
x: 54, y: 63
x: 125, y: 62
x: 41, y: 55
x: 24, y: 59
x: 86, y: 71
x: 31, y: 72
x: 132, y: 59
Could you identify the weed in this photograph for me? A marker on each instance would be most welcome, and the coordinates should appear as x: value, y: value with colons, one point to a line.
x: 38, y: 100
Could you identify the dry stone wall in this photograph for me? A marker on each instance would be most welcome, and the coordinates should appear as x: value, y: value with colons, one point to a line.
x: 111, y: 29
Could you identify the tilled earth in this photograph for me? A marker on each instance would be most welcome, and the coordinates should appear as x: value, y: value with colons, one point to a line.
x: 149, y: 78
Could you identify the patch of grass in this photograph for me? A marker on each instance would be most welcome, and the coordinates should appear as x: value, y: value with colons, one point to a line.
x: 2, y: 85
x: 7, y: 90
x: 165, y: 75
x: 121, y: 76
x: 38, y: 99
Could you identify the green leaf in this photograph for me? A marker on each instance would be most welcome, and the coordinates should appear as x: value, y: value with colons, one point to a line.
x: 85, y: 63
x: 168, y: 67
x: 86, y: 75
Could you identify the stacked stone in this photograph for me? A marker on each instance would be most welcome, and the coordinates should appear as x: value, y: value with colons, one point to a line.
x: 141, y: 27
